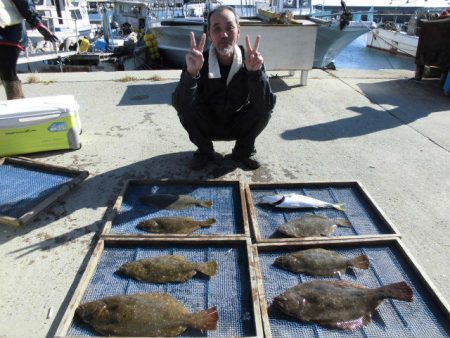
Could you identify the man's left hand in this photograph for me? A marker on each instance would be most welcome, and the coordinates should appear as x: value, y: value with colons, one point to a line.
x: 253, y: 59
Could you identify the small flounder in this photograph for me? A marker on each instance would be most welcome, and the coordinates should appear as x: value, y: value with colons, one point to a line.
x: 166, y: 269
x: 144, y: 315
x: 320, y: 262
x: 298, y: 201
x: 312, y: 226
x: 338, y: 304
x: 174, y: 225
x: 173, y: 202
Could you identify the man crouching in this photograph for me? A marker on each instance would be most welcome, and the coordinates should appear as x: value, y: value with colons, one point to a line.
x: 224, y: 92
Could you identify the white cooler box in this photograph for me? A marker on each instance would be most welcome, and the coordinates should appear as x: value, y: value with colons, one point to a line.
x: 39, y: 124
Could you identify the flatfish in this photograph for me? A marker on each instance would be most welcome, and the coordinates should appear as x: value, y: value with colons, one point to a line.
x: 312, y: 225
x: 166, y: 269
x: 320, y: 262
x: 298, y: 201
x: 338, y: 304
x: 144, y: 315
x: 174, y: 202
x: 174, y: 225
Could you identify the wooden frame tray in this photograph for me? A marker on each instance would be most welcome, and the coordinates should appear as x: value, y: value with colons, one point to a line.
x: 28, y: 186
x: 390, y: 262
x: 228, y: 208
x: 367, y: 220
x: 233, y: 289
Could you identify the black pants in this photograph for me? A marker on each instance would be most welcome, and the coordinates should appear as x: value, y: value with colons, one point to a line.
x: 204, y: 126
x: 8, y: 60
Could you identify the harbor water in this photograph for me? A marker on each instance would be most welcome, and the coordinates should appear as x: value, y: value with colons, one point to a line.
x: 357, y: 56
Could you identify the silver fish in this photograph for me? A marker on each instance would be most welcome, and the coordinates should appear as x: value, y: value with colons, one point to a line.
x: 144, y: 315
x: 165, y: 269
x: 174, y: 202
x: 320, y: 262
x: 312, y: 226
x: 338, y: 304
x: 298, y: 201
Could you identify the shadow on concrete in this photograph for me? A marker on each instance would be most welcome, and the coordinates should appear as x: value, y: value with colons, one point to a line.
x: 148, y: 94
x: 278, y: 84
x: 408, y: 100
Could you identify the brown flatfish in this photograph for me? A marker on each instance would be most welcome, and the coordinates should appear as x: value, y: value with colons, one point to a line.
x: 144, y: 315
x: 174, y: 225
x: 312, y: 226
x: 166, y: 269
x: 320, y: 262
x: 338, y: 304
x: 174, y: 202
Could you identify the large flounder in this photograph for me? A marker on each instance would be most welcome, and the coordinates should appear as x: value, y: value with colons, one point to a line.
x: 166, y: 269
x: 144, y: 315
x: 174, y: 225
x: 312, y: 226
x: 338, y: 304
x: 174, y: 202
x: 320, y: 262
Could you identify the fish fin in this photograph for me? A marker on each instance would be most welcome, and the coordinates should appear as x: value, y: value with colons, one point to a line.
x: 346, y: 284
x: 339, y: 206
x: 280, y: 201
x: 400, y: 291
x: 361, y: 262
x: 207, y: 268
x: 329, y: 230
x: 342, y: 222
x: 205, y: 204
x: 208, y: 222
x: 204, y: 320
x: 353, y: 324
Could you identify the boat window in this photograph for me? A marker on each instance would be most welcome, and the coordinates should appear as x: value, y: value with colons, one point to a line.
x: 75, y: 14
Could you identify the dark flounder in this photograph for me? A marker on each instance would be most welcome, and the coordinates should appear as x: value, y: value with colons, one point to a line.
x: 320, y: 262
x: 144, y: 315
x: 174, y: 225
x: 312, y: 226
x: 166, y: 269
x: 174, y: 202
x: 338, y: 304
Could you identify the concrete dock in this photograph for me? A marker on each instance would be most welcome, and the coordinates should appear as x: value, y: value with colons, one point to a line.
x: 381, y: 128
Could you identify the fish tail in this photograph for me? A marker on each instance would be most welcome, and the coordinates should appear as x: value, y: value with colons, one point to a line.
x: 339, y: 206
x: 342, y: 222
x: 208, y: 268
x: 204, y: 320
x: 208, y: 222
x: 361, y: 262
x: 400, y: 291
x: 205, y: 204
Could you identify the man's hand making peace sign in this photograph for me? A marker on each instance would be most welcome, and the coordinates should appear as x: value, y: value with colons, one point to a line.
x: 253, y: 58
x: 194, y: 59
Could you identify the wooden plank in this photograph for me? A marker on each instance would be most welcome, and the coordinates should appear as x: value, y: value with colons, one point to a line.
x: 242, y: 203
x: 78, y: 177
x: 354, y: 185
x: 394, y: 243
x: 114, y: 241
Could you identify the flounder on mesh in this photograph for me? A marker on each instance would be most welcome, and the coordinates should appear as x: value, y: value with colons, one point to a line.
x: 174, y: 225
x: 174, y: 202
x: 166, y: 269
x: 320, y: 262
x: 144, y: 315
x: 312, y: 226
x: 338, y: 304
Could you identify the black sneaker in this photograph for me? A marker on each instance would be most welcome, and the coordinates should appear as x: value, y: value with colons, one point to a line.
x: 249, y: 162
x: 201, y: 160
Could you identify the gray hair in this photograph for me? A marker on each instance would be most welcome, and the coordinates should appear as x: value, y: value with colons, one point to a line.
x: 220, y: 9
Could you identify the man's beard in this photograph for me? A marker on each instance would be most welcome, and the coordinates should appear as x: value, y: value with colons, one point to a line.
x: 225, y: 51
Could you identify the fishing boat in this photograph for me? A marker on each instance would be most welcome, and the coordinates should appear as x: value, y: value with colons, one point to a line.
x: 333, y: 34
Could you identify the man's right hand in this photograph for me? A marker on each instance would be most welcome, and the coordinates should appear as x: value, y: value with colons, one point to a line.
x: 194, y: 59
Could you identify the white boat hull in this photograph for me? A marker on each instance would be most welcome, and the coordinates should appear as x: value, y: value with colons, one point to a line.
x: 393, y: 41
